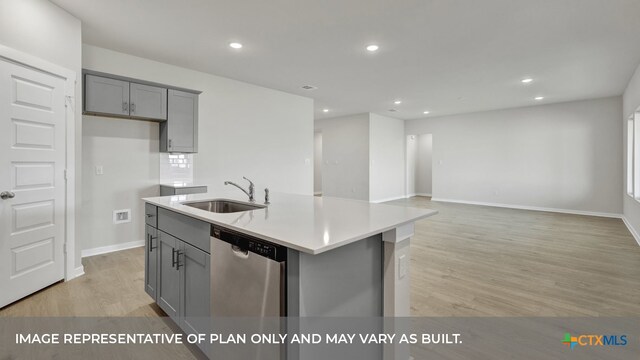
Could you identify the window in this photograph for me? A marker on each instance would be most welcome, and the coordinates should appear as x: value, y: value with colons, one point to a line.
x: 633, y: 155
x: 630, y: 169
x: 636, y: 155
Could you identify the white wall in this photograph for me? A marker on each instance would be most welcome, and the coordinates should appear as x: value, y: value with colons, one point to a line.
x: 387, y: 158
x: 317, y: 162
x: 424, y: 155
x: 345, y: 155
x: 42, y: 29
x: 411, y: 161
x: 631, y: 101
x: 561, y: 156
x: 127, y: 150
x: 244, y: 130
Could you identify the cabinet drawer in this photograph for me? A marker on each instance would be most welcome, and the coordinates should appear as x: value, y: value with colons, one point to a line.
x: 185, y: 228
x: 151, y: 214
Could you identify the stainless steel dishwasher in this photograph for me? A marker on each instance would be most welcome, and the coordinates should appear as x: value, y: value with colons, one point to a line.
x: 248, y: 276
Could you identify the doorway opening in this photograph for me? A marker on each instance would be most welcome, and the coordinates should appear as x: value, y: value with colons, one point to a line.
x: 419, y: 172
x: 317, y: 163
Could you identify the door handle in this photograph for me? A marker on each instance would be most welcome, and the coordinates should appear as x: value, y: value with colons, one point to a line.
x: 125, y: 106
x: 133, y: 108
x: 7, y: 195
x: 169, y: 144
x: 237, y: 251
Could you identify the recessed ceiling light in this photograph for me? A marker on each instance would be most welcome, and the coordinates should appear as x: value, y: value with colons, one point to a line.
x: 527, y: 80
x: 538, y: 98
x: 425, y: 112
x: 236, y: 45
x: 372, y: 47
x: 398, y: 102
x: 325, y: 110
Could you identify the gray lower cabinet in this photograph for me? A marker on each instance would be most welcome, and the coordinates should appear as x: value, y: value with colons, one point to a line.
x: 195, y: 285
x: 184, y: 283
x: 168, y: 297
x: 151, y: 261
x: 180, y: 132
x: 107, y: 96
x: 149, y: 102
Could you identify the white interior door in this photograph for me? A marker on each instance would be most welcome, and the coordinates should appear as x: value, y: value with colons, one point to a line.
x: 32, y: 163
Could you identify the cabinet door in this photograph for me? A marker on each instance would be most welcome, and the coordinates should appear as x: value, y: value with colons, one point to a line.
x: 195, y: 304
x: 180, y: 132
x: 151, y: 261
x: 106, y: 96
x: 168, y: 293
x: 148, y: 101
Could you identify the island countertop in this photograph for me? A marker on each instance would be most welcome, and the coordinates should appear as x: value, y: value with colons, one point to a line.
x: 305, y: 223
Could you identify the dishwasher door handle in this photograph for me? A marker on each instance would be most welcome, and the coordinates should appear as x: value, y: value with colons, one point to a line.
x: 237, y: 251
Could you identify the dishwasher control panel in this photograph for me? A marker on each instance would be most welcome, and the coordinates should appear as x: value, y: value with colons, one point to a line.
x: 251, y: 244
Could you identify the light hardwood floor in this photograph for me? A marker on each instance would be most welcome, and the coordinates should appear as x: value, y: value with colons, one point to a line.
x: 474, y: 260
x: 466, y: 261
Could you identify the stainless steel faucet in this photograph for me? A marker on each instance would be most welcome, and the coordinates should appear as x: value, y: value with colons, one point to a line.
x: 249, y: 193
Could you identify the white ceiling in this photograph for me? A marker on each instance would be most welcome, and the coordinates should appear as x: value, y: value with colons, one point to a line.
x: 445, y: 56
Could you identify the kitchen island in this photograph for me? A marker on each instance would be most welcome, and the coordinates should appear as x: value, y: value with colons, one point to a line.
x: 333, y: 257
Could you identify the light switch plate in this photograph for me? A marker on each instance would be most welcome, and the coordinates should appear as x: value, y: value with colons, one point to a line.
x: 99, y: 170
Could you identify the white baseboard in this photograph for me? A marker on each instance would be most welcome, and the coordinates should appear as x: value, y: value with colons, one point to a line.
x: 112, y: 248
x: 388, y: 199
x: 633, y: 231
x: 416, y: 194
x: 77, y: 272
x: 533, y: 208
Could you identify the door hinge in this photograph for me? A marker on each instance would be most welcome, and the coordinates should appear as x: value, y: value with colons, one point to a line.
x: 64, y: 247
x: 65, y: 174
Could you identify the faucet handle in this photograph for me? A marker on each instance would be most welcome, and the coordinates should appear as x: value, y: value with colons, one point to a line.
x: 250, y: 182
x: 266, y: 196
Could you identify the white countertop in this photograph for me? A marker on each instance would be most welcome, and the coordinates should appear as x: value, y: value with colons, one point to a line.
x: 181, y: 185
x: 302, y: 222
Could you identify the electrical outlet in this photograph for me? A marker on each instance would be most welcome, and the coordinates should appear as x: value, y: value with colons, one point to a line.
x: 99, y: 170
x: 121, y: 216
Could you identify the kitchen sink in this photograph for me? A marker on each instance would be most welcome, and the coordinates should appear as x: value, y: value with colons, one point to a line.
x: 224, y: 206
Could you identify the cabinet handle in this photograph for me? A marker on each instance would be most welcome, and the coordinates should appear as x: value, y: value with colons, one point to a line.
x: 173, y: 258
x: 125, y: 106
x: 150, y: 239
x: 169, y: 144
x: 178, y: 253
x: 133, y: 108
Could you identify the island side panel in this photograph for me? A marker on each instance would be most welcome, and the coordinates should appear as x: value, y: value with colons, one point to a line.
x: 347, y: 281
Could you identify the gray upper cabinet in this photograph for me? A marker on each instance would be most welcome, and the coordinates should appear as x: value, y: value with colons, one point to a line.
x: 147, y: 101
x: 176, y: 109
x: 106, y: 96
x: 180, y: 132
